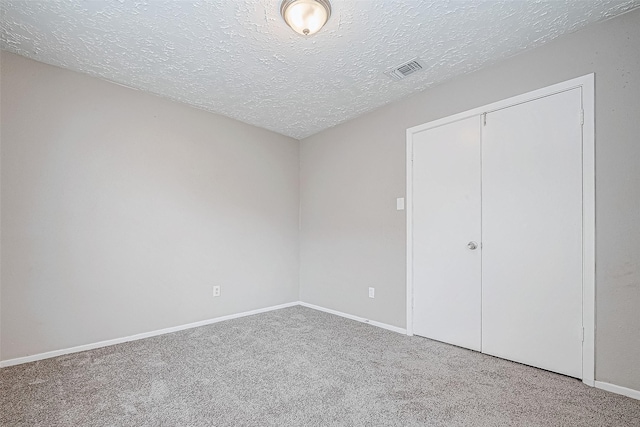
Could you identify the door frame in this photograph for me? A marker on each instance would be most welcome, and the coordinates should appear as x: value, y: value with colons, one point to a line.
x: 587, y: 85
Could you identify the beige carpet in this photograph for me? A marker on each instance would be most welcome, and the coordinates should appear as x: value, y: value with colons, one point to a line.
x: 297, y: 367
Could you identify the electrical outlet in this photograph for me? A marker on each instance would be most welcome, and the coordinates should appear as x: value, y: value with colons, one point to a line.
x: 216, y: 291
x: 372, y: 292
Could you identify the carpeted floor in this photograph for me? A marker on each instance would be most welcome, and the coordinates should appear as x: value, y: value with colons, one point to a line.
x: 297, y: 367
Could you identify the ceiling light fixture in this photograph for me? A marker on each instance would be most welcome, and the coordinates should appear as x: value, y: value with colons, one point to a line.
x: 305, y: 17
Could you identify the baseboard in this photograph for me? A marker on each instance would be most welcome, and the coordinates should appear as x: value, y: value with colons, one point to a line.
x: 635, y: 394
x: 629, y: 392
x: 85, y: 347
x: 106, y: 343
x: 356, y: 318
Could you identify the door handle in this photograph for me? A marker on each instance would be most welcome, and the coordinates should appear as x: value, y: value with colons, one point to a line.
x: 472, y: 246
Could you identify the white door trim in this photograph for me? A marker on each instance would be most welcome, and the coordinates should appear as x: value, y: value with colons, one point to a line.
x: 586, y: 83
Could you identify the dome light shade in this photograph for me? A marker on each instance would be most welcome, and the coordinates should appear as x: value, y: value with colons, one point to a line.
x: 305, y: 17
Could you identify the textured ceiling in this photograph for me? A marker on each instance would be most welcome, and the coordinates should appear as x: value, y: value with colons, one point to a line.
x: 239, y: 59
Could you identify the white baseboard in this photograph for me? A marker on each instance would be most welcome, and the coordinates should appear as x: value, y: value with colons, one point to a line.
x: 629, y: 392
x: 635, y: 394
x: 49, y: 354
x: 85, y: 347
x: 356, y: 318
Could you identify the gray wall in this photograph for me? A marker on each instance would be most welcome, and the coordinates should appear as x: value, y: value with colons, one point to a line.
x: 352, y: 237
x: 121, y: 210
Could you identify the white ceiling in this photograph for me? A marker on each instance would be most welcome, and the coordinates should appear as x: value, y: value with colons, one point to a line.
x: 239, y: 59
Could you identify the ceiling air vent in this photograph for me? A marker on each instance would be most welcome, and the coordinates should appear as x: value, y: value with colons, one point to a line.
x: 403, y: 70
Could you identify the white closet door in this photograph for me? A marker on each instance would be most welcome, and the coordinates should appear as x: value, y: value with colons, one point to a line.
x: 446, y: 218
x: 532, y: 233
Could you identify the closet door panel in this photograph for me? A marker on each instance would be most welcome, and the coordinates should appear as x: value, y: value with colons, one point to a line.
x: 446, y: 218
x: 532, y: 233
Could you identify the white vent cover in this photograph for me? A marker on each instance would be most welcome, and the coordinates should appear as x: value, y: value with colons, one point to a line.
x: 401, y: 71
